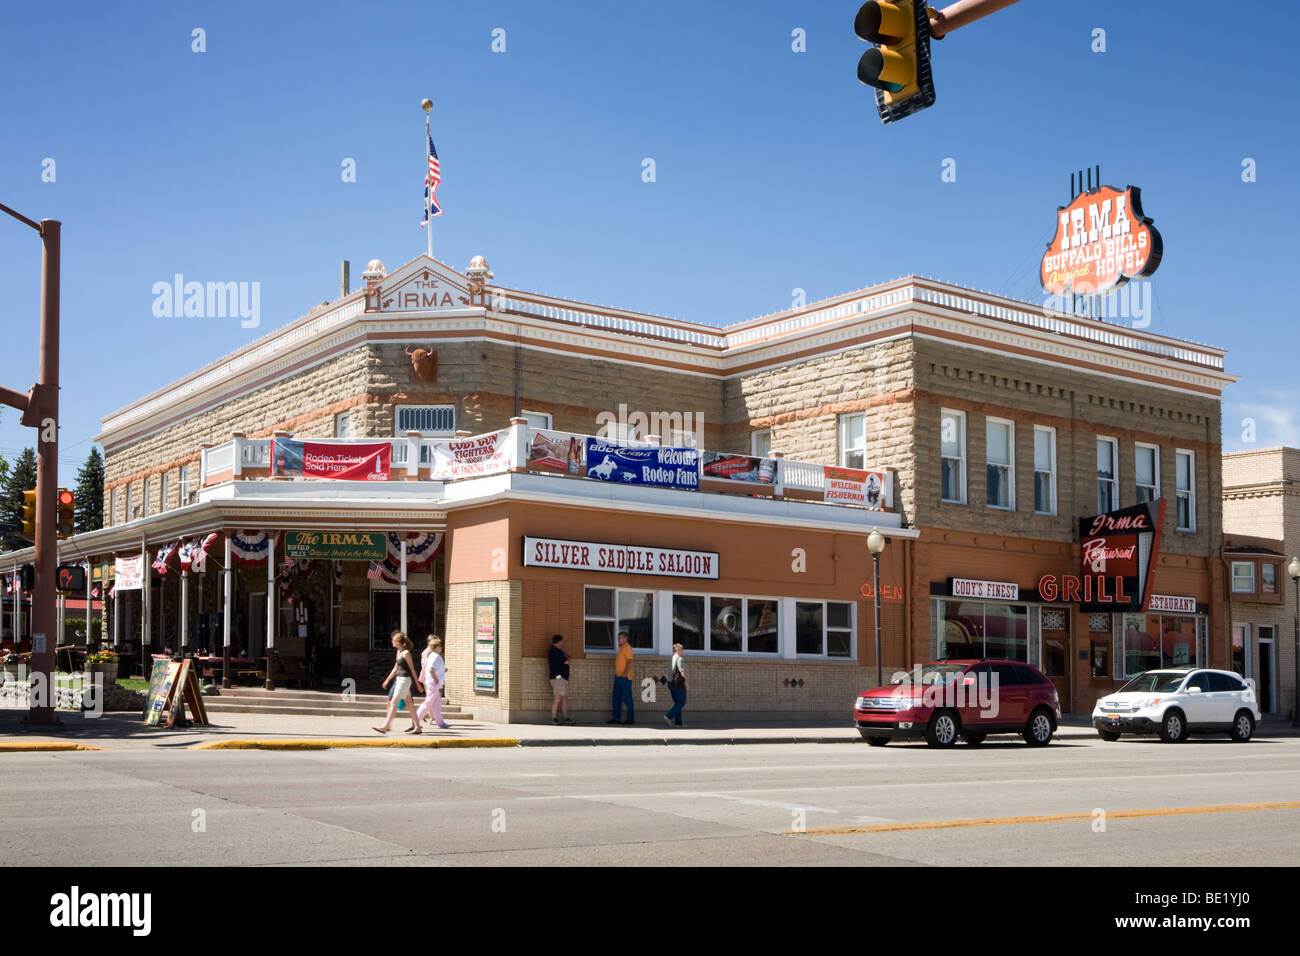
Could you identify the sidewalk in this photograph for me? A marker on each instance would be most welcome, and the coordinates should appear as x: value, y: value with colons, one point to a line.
x: 126, y: 731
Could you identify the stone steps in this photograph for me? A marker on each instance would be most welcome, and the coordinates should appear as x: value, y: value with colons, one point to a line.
x: 310, y: 703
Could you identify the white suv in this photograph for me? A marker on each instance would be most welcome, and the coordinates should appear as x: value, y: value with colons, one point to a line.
x: 1176, y: 702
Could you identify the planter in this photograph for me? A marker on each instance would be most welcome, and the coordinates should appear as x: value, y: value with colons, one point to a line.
x: 108, y: 670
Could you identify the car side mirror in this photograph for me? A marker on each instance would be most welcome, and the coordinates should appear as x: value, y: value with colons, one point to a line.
x: 1193, y: 690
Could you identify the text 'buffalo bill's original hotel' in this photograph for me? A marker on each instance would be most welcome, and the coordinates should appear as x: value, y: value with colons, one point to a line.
x: 437, y: 452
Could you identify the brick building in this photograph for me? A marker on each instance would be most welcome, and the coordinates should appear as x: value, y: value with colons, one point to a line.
x: 1261, y: 532
x: 995, y: 424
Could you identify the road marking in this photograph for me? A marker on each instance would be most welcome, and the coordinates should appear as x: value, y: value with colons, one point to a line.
x: 1052, y: 818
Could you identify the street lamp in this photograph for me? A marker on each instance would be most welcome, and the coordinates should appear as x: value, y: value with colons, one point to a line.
x: 876, y: 544
x: 1293, y: 569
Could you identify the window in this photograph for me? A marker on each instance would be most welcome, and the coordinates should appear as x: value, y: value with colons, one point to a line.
x: 608, y: 611
x: 1185, y: 489
x: 162, y: 492
x: 1044, y: 470
x: 185, y: 485
x: 823, y: 629
x: 1268, y: 578
x: 952, y: 449
x: 688, y: 621
x: 1154, y: 640
x: 144, y: 497
x: 760, y: 443
x: 112, y: 506
x: 1000, y: 440
x: 1146, y: 464
x: 1107, y: 469
x: 735, y: 625
x: 1243, y: 577
x: 983, y: 629
x: 726, y: 624
x: 428, y: 420
x: 343, y: 425
x: 540, y: 420
x: 762, y: 625
x: 1226, y: 682
x: 386, y: 616
x: 853, y: 441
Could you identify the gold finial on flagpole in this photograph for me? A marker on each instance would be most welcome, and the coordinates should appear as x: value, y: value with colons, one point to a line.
x: 426, y: 104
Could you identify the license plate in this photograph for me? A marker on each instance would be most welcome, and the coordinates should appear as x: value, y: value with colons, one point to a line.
x: 1112, y: 718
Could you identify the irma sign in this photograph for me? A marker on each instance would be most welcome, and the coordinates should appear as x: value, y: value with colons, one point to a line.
x: 1102, y: 240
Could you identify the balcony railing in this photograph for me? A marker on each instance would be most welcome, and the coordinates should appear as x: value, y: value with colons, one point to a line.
x: 564, y: 455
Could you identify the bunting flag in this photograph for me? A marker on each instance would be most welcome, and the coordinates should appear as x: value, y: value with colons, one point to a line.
x: 187, y: 554
x: 249, y: 548
x: 285, y: 578
x: 164, y: 556
x: 421, y: 549
x: 305, y: 566
x: 203, y: 547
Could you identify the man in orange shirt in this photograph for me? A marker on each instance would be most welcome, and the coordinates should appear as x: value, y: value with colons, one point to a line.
x: 622, y: 680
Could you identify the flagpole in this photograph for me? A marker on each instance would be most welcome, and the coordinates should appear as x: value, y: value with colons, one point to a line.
x: 427, y: 106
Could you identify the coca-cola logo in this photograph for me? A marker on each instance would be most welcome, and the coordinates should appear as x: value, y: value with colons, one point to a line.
x: 1096, y: 554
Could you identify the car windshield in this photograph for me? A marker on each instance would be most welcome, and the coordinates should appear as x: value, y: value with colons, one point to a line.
x: 934, y: 674
x: 1161, y: 682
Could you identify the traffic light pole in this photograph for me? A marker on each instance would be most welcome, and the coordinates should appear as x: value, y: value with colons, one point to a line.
x: 40, y: 408
x: 943, y: 22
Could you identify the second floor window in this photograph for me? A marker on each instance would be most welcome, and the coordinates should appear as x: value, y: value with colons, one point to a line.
x: 343, y: 425
x: 1146, y: 463
x: 162, y: 492
x: 1044, y: 470
x: 853, y: 441
x: 1001, y: 471
x: 1185, y: 490
x: 1107, y: 492
x: 952, y: 450
x: 1243, y: 577
x: 760, y: 443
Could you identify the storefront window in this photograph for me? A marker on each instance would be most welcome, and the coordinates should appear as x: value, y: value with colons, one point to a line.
x: 808, y: 627
x: 1153, y: 641
x: 823, y: 629
x: 386, y: 617
x: 688, y: 621
x: 607, y: 611
x: 975, y: 629
x: 762, y: 621
x: 598, y: 619
x: 726, y: 624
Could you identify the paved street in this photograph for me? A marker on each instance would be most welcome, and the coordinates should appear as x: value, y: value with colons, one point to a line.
x: 660, y: 805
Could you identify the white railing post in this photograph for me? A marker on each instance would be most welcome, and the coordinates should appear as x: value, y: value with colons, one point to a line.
x: 778, y: 477
x: 518, y: 444
x: 204, y: 448
x: 413, y: 455
x: 237, y: 440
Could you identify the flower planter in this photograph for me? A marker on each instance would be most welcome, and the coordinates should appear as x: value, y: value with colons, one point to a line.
x: 108, y: 670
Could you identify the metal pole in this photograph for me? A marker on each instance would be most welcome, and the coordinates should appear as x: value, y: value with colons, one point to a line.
x: 875, y: 575
x: 47, y: 477
x: 225, y: 619
x: 403, y: 581
x: 961, y: 13
x: 272, y: 592
x: 185, y: 611
x: 146, y: 606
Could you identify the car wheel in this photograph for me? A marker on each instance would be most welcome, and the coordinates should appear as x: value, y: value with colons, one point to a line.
x: 973, y: 739
x: 942, y: 729
x: 1173, y: 729
x: 1243, y: 725
x: 1109, y: 735
x: 1038, y: 732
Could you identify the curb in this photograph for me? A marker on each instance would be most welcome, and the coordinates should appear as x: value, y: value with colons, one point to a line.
x: 342, y: 744
x: 681, y: 741
x: 39, y: 745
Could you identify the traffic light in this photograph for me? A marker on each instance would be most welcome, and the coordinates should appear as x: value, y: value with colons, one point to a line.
x: 27, y: 578
x: 67, y: 501
x: 898, y: 66
x: 29, y: 514
x: 71, y: 579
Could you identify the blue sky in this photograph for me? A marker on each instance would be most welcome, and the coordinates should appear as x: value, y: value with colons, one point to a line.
x: 773, y: 172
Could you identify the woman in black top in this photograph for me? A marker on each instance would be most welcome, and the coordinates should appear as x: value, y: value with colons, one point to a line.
x: 403, y: 675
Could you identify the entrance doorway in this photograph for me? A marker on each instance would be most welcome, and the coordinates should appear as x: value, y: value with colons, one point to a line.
x: 1056, y: 652
x: 257, y: 624
x: 1266, y: 690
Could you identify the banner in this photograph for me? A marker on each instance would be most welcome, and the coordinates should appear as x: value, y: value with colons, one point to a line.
x: 346, y: 461
x: 470, y: 457
x: 873, y: 490
x: 555, y: 453
x: 335, y: 545
x: 421, y: 549
x: 128, y: 573
x: 662, y: 467
x: 717, y: 466
x: 619, y: 558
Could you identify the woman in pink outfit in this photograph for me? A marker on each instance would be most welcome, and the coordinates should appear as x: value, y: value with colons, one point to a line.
x: 434, y: 674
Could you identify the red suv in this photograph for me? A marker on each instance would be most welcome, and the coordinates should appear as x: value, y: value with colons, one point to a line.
x: 944, y: 700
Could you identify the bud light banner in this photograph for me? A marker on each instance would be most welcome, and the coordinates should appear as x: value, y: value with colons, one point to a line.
x: 346, y: 461
x: 663, y: 467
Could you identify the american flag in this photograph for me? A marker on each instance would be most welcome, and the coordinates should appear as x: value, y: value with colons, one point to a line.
x: 431, y: 180
x: 376, y: 571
